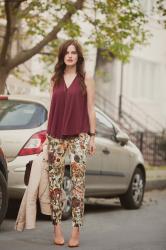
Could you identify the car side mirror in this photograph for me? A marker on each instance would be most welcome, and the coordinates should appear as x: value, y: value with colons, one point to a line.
x: 122, y: 137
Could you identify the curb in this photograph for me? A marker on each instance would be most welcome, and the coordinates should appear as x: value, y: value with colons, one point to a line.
x: 155, y: 184
x: 155, y: 179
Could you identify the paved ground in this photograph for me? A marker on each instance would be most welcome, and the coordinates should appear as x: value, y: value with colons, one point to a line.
x: 107, y: 227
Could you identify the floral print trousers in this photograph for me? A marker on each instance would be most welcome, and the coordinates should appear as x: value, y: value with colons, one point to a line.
x: 77, y: 148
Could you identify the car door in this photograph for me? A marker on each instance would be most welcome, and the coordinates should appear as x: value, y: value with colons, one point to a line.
x: 93, y: 171
x: 115, y: 159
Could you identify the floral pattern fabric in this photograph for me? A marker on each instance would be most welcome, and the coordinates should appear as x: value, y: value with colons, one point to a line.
x: 77, y: 148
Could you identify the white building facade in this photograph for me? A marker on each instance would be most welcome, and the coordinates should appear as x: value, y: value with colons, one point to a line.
x: 142, y: 81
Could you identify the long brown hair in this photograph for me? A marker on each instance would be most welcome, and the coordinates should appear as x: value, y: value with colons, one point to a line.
x: 60, y: 65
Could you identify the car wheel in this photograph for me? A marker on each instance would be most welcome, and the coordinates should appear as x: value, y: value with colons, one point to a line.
x: 3, y: 197
x: 67, y: 205
x: 132, y: 199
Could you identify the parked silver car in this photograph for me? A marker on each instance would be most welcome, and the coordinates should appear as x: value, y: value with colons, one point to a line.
x: 116, y: 170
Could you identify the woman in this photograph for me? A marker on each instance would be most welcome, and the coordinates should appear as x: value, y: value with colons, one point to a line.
x: 71, y: 127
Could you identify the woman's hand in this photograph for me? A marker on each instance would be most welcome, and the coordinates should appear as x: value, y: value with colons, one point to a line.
x: 92, y: 146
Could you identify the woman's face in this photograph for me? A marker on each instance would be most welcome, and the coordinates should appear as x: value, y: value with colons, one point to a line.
x: 71, y: 56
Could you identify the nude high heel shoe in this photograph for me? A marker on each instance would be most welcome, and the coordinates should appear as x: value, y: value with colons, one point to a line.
x: 58, y: 242
x: 74, y: 241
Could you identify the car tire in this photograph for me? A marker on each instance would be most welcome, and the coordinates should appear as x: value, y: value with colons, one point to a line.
x: 3, y: 197
x: 67, y: 206
x: 133, y: 198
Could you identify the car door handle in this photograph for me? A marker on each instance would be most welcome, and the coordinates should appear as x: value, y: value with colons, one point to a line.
x: 106, y: 151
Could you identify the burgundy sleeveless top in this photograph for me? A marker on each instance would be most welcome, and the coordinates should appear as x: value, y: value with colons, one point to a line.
x: 68, y: 114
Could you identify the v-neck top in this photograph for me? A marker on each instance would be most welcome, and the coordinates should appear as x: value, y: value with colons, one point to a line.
x: 71, y: 82
x: 68, y: 114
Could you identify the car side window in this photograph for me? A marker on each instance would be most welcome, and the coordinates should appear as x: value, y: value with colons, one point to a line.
x: 104, y: 127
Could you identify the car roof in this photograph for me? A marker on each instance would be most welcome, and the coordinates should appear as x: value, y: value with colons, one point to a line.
x: 41, y: 99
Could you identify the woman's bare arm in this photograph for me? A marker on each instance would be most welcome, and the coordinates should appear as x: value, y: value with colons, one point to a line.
x: 51, y: 92
x: 89, y: 81
x: 91, y: 112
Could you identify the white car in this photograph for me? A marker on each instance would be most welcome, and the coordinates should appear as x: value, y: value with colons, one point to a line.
x: 116, y: 170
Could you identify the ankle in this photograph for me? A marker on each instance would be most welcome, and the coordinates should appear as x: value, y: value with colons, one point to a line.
x: 57, y: 227
x: 75, y: 232
x: 76, y: 228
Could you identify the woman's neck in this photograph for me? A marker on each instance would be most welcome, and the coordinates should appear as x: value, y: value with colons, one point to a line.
x: 70, y: 70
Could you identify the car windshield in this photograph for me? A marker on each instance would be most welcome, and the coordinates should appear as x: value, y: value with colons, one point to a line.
x: 104, y: 126
x: 16, y: 114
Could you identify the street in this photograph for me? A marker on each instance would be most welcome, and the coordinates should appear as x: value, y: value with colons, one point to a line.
x: 107, y: 226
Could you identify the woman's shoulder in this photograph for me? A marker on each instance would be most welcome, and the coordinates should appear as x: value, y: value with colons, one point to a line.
x: 88, y: 76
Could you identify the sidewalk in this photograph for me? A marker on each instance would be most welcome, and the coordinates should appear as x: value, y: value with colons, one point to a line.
x: 155, y: 178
